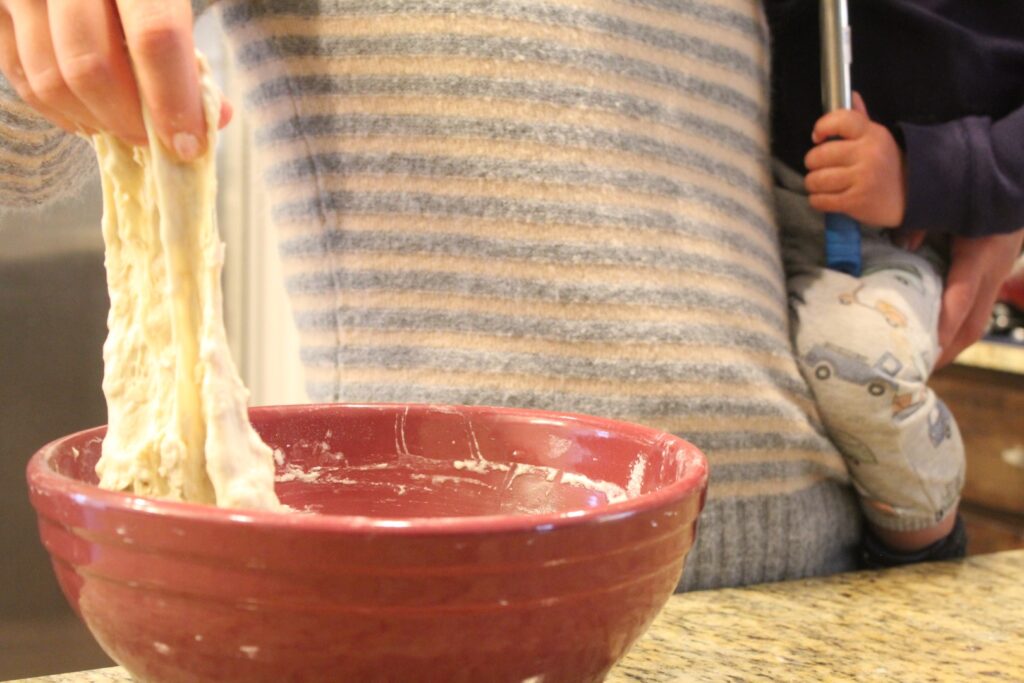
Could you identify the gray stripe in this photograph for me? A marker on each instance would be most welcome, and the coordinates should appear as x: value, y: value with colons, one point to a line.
x: 651, y: 407
x: 519, y: 289
x: 244, y: 12
x: 542, y: 328
x: 508, y: 49
x: 647, y: 111
x: 485, y: 89
x: 51, y: 142
x: 538, y: 212
x: 770, y: 538
x: 73, y: 160
x: 337, y: 163
x: 750, y: 440
x: 767, y: 470
x: 12, y: 121
x: 522, y: 250
x: 628, y: 369
x: 709, y: 12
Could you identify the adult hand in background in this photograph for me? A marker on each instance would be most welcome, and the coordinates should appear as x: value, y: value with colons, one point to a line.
x: 84, y: 63
x: 978, y: 266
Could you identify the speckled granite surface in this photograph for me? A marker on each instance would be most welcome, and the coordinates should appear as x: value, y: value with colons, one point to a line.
x: 953, y: 621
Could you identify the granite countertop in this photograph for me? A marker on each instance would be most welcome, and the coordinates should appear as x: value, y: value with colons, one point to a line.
x: 949, y: 621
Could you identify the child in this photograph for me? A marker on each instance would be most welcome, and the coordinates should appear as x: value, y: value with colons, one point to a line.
x: 949, y: 82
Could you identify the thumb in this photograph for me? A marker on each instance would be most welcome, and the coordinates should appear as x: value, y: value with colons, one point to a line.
x: 957, y: 300
x: 226, y: 113
x: 858, y: 104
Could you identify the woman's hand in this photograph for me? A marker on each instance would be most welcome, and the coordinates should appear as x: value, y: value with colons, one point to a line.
x: 977, y: 268
x: 83, y: 64
x: 856, y: 168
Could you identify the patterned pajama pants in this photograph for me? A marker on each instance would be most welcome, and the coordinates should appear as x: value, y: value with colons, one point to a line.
x: 867, y: 346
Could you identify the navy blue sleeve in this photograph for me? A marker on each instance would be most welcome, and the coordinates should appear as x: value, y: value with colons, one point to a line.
x: 966, y: 176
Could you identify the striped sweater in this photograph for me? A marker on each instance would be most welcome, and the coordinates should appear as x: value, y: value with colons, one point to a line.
x: 559, y: 204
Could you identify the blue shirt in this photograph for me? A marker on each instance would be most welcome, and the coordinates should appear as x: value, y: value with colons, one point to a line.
x: 946, y: 76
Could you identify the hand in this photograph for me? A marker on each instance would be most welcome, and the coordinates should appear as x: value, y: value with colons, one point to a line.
x: 978, y: 266
x: 83, y: 63
x: 861, y: 174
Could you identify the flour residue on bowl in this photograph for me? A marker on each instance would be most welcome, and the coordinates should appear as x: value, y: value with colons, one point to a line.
x: 470, y: 485
x: 480, y: 466
x: 636, y: 476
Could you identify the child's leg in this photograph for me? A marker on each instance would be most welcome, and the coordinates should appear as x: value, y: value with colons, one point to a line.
x: 901, y: 444
x: 867, y: 347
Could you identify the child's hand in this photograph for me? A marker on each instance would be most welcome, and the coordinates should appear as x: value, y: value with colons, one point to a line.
x: 861, y: 174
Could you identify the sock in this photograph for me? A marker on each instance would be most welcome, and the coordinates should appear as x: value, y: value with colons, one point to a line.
x: 876, y: 555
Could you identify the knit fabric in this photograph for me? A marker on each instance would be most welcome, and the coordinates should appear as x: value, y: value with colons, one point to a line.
x: 39, y: 163
x: 558, y: 204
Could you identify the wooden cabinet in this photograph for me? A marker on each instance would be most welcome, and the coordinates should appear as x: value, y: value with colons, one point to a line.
x: 985, y: 392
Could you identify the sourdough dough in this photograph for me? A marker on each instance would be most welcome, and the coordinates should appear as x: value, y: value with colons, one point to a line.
x: 178, y: 424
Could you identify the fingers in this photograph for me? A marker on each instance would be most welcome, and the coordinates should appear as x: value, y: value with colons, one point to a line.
x: 159, y: 36
x: 10, y: 65
x: 843, y: 123
x: 840, y: 202
x: 43, y: 81
x: 859, y: 106
x: 829, y: 181
x: 833, y: 153
x: 977, y: 269
x: 93, y: 61
x: 226, y: 112
x: 962, y: 285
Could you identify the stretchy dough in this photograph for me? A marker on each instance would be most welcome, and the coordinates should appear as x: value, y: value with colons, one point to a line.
x: 178, y: 424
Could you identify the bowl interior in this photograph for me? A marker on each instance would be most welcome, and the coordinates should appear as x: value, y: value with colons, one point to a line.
x: 405, y: 462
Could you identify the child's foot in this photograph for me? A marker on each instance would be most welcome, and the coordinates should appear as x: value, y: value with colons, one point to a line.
x: 913, y: 541
x: 877, y: 553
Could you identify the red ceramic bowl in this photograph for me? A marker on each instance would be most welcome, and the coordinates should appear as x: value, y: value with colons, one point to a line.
x: 433, y: 544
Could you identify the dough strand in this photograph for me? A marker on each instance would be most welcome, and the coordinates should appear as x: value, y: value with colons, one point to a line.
x: 178, y: 424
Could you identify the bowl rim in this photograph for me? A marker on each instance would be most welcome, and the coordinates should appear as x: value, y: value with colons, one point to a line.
x: 44, y: 481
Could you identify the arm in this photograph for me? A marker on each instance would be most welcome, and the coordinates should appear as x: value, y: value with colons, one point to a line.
x: 86, y: 64
x: 80, y: 66
x: 967, y: 176
x: 865, y: 175
x: 39, y: 162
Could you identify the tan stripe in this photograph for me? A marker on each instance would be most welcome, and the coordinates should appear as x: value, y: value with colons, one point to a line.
x: 29, y: 137
x: 585, y: 196
x: 520, y: 151
x: 568, y: 273
x: 797, y: 425
x: 489, y: 189
x: 33, y: 162
x: 538, y: 382
x: 457, y: 303
x: 609, y: 351
x: 680, y: 22
x: 540, y: 190
x: 766, y: 487
x: 13, y: 103
x: 574, y: 37
x: 559, y: 77
x: 541, y: 187
x: 29, y: 182
x: 832, y: 462
x: 710, y: 246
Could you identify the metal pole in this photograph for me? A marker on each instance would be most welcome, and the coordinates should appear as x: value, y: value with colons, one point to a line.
x: 842, y: 233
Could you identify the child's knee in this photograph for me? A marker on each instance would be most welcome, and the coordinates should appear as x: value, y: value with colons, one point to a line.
x: 852, y: 376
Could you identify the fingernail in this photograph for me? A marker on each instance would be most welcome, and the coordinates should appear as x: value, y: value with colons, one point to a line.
x: 186, y: 146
